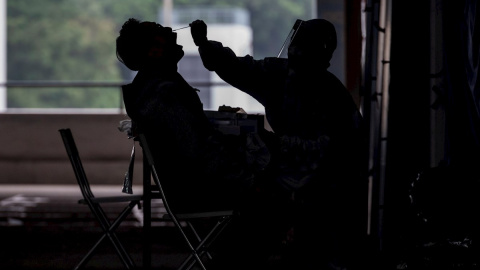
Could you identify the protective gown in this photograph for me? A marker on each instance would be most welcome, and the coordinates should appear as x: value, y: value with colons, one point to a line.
x: 317, y: 150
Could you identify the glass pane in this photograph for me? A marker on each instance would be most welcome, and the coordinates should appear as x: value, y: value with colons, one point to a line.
x: 74, y: 41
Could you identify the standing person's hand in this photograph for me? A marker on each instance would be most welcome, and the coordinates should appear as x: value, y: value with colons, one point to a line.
x: 198, y: 29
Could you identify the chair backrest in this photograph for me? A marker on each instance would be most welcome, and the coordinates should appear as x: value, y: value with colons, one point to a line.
x: 151, y: 164
x: 77, y: 165
x: 225, y: 216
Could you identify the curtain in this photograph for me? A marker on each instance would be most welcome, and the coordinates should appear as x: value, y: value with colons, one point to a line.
x: 461, y: 51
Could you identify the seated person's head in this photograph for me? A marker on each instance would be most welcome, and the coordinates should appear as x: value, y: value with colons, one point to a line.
x: 313, y: 43
x: 147, y: 44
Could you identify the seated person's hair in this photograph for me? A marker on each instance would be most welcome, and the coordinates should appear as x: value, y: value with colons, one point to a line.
x: 129, y: 44
x: 135, y: 41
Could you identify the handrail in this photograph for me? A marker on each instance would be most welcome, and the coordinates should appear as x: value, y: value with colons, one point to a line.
x: 88, y: 84
x: 41, y: 84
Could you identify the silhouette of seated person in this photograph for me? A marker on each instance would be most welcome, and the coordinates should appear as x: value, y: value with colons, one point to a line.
x: 318, y: 139
x: 201, y: 168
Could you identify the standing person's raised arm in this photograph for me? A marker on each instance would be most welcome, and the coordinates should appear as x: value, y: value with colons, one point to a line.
x: 214, y: 55
x: 242, y: 72
x: 198, y: 29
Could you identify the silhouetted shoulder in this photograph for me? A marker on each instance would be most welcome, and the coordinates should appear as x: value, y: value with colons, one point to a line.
x: 276, y: 64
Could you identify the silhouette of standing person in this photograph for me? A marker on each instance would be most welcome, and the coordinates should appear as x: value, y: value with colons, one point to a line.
x: 203, y: 169
x: 317, y: 143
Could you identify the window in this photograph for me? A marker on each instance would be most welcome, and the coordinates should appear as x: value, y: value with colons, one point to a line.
x: 61, y: 54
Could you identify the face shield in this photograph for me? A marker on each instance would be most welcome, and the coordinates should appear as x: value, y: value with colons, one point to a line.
x: 291, y: 35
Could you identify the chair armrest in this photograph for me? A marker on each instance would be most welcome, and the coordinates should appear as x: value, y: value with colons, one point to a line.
x: 113, y: 199
x: 201, y: 214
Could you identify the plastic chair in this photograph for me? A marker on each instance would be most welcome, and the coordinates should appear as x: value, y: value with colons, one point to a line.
x: 197, y: 245
x: 95, y: 205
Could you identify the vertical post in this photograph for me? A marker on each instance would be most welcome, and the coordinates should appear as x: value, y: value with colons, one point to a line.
x: 147, y: 215
x: 437, y: 117
x: 314, y: 8
x: 380, y: 141
x: 375, y: 109
x: 369, y: 73
x: 383, y: 86
x: 167, y: 12
x: 3, y: 55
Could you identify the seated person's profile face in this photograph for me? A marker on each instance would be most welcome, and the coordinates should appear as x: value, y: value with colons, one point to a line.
x: 163, y: 42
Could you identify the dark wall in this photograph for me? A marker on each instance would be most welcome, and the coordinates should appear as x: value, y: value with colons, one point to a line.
x: 33, y: 152
x: 446, y: 193
x: 409, y: 112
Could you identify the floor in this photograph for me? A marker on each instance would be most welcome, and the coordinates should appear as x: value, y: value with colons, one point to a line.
x: 43, y: 227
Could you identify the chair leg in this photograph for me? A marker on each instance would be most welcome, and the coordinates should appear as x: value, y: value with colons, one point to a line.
x: 122, y: 253
x: 109, y: 233
x: 199, y: 239
x: 90, y: 253
x: 193, y: 256
x: 202, y: 247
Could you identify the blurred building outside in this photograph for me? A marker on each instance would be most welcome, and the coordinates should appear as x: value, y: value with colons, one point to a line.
x: 3, y: 54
